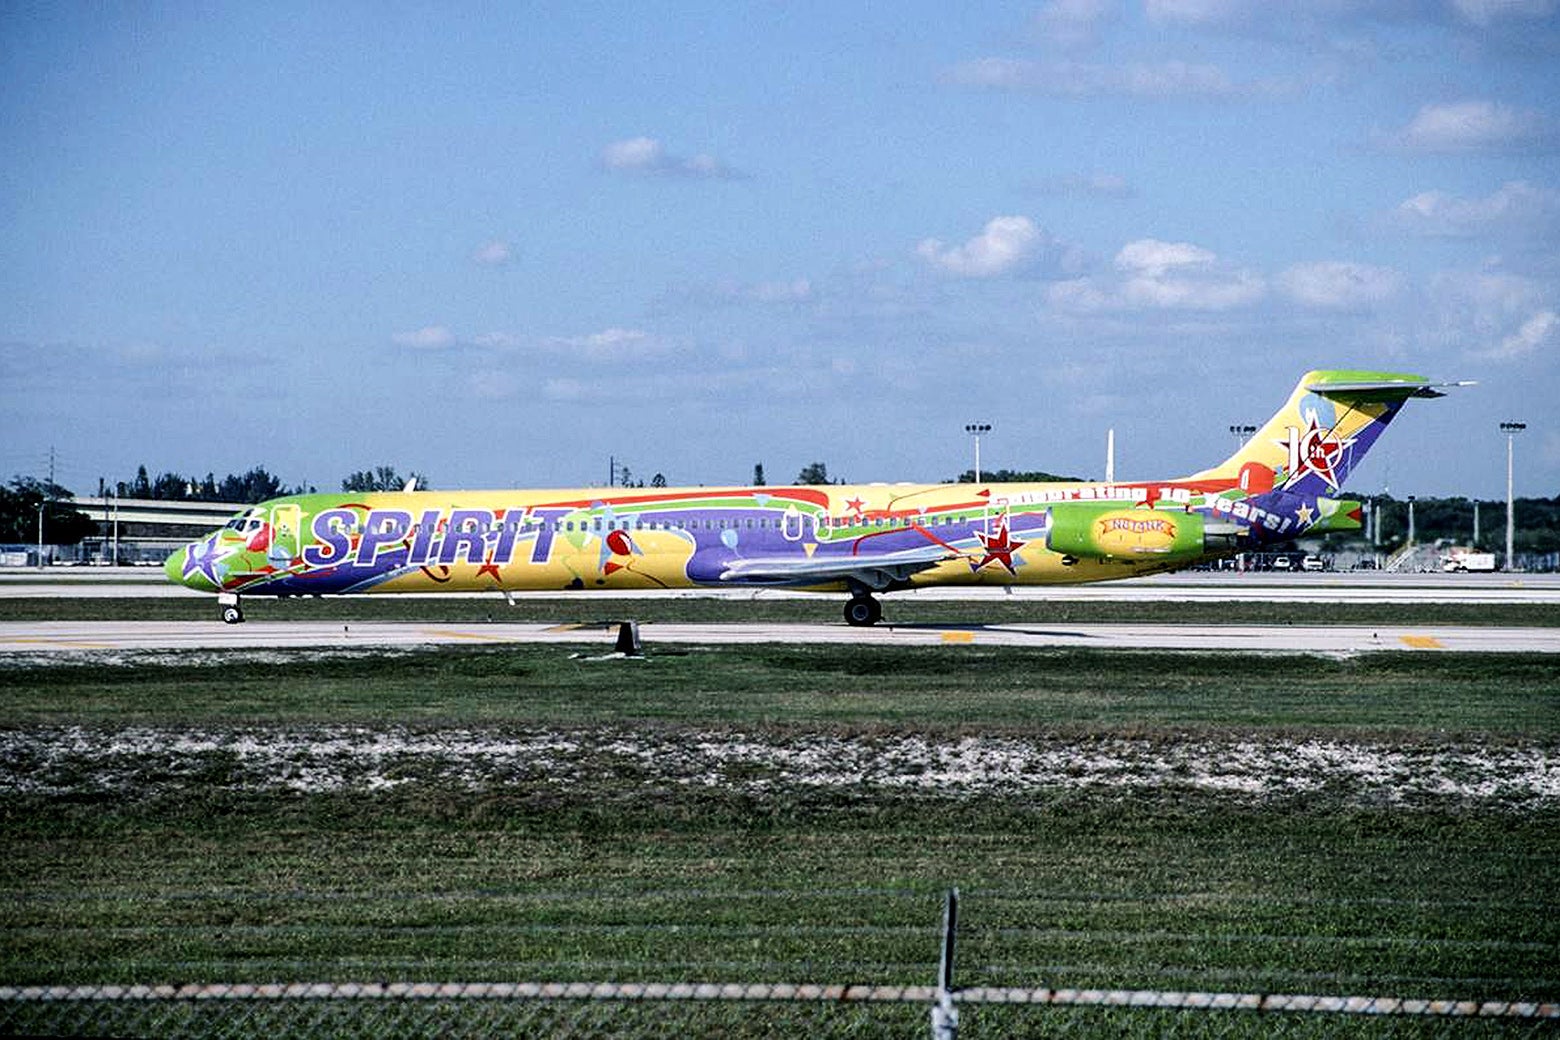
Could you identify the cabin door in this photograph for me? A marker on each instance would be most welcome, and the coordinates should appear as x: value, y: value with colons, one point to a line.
x: 286, y: 532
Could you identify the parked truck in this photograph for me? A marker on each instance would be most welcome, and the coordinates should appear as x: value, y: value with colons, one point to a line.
x: 1466, y: 560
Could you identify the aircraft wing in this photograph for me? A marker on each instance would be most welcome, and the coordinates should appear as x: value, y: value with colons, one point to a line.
x: 874, y: 570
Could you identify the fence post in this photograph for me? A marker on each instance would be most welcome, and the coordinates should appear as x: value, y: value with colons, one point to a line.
x: 945, y: 1017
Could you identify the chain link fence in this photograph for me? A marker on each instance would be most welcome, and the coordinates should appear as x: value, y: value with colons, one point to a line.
x: 331, y: 1010
x: 415, y: 1009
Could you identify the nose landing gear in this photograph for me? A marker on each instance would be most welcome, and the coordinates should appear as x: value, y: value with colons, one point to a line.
x: 232, y: 614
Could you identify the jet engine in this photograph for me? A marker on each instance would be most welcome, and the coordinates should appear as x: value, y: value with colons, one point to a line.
x: 1106, y: 531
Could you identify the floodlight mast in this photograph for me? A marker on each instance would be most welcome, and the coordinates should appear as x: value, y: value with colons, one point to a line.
x: 1510, y: 429
x: 975, y: 430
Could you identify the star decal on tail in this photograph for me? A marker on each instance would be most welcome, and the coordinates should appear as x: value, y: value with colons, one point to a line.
x: 1314, y: 450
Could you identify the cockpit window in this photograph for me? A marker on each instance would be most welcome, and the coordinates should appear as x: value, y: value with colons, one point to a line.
x: 246, y: 523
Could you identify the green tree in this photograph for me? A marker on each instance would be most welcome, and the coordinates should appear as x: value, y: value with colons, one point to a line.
x: 172, y: 487
x: 255, y: 486
x: 62, y: 524
x: 814, y: 473
x: 758, y: 474
x: 382, y: 478
x: 1012, y: 476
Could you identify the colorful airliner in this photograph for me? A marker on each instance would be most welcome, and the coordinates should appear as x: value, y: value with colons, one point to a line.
x: 861, y: 539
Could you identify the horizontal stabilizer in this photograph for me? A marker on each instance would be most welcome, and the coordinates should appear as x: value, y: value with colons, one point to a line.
x: 1337, y: 514
x: 1397, y: 387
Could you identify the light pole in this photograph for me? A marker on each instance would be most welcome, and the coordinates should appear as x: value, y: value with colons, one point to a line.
x: 975, y: 430
x: 1242, y: 432
x: 1510, y: 429
x: 1410, y: 519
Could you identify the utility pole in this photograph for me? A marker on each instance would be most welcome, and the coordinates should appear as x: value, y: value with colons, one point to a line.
x: 1511, y: 429
x: 1242, y: 432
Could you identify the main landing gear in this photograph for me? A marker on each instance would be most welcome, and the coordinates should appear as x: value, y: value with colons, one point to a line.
x: 231, y: 612
x: 863, y: 610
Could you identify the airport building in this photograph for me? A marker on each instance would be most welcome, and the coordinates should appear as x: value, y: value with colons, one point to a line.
x: 130, y: 531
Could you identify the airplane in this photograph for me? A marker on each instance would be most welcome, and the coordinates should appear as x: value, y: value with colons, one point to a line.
x: 860, y: 539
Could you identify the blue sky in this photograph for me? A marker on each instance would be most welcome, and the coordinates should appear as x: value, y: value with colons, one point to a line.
x: 501, y: 244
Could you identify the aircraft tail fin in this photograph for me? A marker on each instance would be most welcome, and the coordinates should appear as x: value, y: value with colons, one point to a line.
x: 1330, y: 421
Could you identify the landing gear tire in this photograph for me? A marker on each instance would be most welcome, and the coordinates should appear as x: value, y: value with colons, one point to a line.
x: 862, y: 611
x: 232, y: 615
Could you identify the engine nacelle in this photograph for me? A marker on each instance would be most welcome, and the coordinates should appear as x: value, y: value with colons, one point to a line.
x: 1098, y: 531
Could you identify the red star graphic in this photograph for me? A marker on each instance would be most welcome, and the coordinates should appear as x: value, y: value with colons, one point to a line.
x: 1314, y: 450
x: 999, y: 547
x: 489, y: 567
x: 854, y: 504
x: 1320, y: 450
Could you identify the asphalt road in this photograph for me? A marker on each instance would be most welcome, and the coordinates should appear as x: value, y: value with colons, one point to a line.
x: 78, y: 636
x: 1366, y: 587
x: 1186, y: 586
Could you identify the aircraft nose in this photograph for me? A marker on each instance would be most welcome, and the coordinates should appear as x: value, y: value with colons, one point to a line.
x: 174, y: 566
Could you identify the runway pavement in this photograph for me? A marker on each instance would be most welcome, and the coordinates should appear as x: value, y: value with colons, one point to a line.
x: 1183, y: 587
x: 105, y: 636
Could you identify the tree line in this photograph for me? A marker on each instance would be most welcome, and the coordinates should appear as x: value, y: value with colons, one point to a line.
x: 257, y: 485
x: 1451, y: 519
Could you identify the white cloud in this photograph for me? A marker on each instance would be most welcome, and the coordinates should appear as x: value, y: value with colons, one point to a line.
x: 1157, y: 275
x: 613, y: 344
x: 796, y: 290
x: 493, y: 254
x: 1534, y: 333
x: 1153, y: 257
x: 498, y: 341
x: 1101, y: 185
x: 1074, y: 24
x: 1081, y: 79
x: 1483, y: 314
x: 565, y: 388
x: 1491, y: 292
x: 636, y: 153
x: 1202, y: 294
x: 429, y: 337
x: 1339, y: 284
x: 1516, y: 207
x: 1199, y: 12
x: 1006, y: 244
x: 645, y: 156
x: 1487, y: 12
x: 1472, y: 126
x: 495, y: 385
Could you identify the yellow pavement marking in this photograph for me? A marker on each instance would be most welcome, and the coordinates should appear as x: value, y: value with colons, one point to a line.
x: 958, y: 637
x: 1423, y: 642
x: 74, y: 644
x: 474, y: 636
x: 560, y: 629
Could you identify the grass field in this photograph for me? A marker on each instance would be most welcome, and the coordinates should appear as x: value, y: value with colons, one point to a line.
x: 1388, y: 824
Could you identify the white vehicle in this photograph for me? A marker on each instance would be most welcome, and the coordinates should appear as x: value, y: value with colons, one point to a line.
x: 1464, y: 561
x: 1313, y: 563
